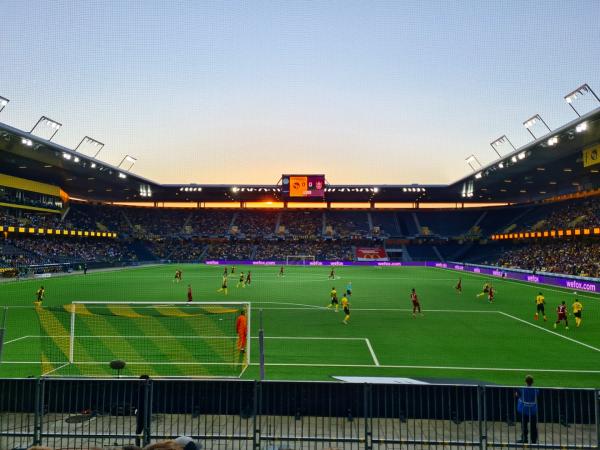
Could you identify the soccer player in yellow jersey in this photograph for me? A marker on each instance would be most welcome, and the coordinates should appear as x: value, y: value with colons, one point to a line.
x: 241, y: 282
x: 346, y: 308
x: 577, y: 308
x: 540, y: 303
x: 486, y: 290
x: 223, y: 285
x: 334, y: 299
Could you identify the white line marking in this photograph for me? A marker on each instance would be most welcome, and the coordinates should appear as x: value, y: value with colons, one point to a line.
x: 54, y: 370
x: 549, y: 331
x: 15, y: 340
x: 200, y: 337
x: 521, y: 282
x: 375, y: 360
x: 369, y: 366
x: 489, y: 369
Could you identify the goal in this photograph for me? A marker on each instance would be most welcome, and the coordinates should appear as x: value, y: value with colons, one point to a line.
x: 154, y: 338
x: 299, y: 260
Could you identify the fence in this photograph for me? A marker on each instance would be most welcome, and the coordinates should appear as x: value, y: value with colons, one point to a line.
x: 84, y: 413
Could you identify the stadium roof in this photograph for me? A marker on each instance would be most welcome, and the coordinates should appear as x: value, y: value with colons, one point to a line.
x: 535, y: 171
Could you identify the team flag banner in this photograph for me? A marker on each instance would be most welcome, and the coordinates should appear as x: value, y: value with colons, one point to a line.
x: 591, y: 156
x: 371, y: 254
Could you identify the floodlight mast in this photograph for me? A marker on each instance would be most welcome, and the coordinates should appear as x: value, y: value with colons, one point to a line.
x: 130, y: 159
x: 584, y: 88
x: 532, y: 121
x: 3, y: 102
x: 501, y: 140
x: 52, y: 123
x: 473, y: 159
x: 91, y: 141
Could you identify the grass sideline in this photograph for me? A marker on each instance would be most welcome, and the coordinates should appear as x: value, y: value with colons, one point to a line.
x: 459, y: 338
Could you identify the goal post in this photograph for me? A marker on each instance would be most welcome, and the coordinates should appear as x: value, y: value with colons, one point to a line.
x: 301, y: 260
x: 154, y: 338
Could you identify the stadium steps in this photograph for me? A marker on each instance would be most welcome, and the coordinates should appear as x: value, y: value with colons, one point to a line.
x: 478, y: 221
x: 65, y: 214
x: 405, y: 254
x: 127, y: 221
x: 397, y: 223
x: 202, y: 256
x: 417, y: 223
x: 324, y: 224
x: 439, y: 255
x: 187, y: 221
x: 277, y: 223
x: 370, y: 221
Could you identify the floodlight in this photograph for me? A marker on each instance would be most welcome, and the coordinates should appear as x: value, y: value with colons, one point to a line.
x: 552, y: 141
x: 501, y: 141
x: 92, y: 144
x: 522, y: 155
x: 478, y: 175
x: 76, y: 159
x: 93, y: 165
x: 122, y: 175
x: 3, y: 102
x: 235, y: 189
x: 501, y: 165
x: 53, y: 125
x: 472, y: 161
x: 129, y: 159
x: 577, y: 93
x: 581, y: 127
x: 532, y: 121
x: 26, y: 142
x: 514, y: 159
x: 66, y: 155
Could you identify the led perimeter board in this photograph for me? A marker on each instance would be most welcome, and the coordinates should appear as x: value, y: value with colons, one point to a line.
x: 303, y: 186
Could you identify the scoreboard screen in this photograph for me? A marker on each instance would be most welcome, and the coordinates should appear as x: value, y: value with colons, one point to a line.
x: 303, y: 186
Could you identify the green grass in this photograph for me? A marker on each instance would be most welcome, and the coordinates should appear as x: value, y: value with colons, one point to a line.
x: 459, y: 337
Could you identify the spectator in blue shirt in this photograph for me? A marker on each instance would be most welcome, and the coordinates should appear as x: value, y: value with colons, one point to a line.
x: 527, y: 409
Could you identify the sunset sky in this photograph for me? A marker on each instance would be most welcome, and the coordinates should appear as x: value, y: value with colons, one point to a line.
x: 243, y: 91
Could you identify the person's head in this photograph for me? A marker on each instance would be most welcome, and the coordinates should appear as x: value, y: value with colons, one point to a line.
x: 189, y: 286
x: 242, y: 313
x: 333, y: 288
x: 528, y: 380
x: 540, y: 293
x: 144, y: 377
x: 187, y: 443
x: 42, y: 287
x: 564, y: 303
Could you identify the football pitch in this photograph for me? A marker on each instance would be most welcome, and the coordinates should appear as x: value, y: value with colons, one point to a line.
x: 459, y: 338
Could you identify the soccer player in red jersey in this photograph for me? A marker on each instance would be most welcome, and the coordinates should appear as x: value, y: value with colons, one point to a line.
x: 241, y: 327
x: 491, y: 293
x: 561, y: 312
x: 415, y: 302
x: 189, y: 293
x: 459, y: 286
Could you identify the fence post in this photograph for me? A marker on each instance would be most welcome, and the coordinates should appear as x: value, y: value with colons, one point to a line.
x: 256, y: 419
x: 597, y: 401
x: 481, y: 414
x: 148, y: 399
x: 38, y: 411
x: 367, y: 401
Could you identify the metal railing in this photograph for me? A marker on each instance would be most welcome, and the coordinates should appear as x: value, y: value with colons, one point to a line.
x: 85, y: 413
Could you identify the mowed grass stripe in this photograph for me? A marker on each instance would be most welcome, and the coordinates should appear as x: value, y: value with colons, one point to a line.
x: 221, y: 350
x: 120, y: 349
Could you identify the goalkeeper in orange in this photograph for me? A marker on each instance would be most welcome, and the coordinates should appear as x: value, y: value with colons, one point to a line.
x: 241, y: 326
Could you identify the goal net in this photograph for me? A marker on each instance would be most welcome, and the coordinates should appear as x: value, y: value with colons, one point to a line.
x: 153, y: 338
x: 300, y: 260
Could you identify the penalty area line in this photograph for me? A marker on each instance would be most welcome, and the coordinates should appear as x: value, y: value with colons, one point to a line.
x: 550, y: 331
x: 375, y: 360
x: 388, y: 366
